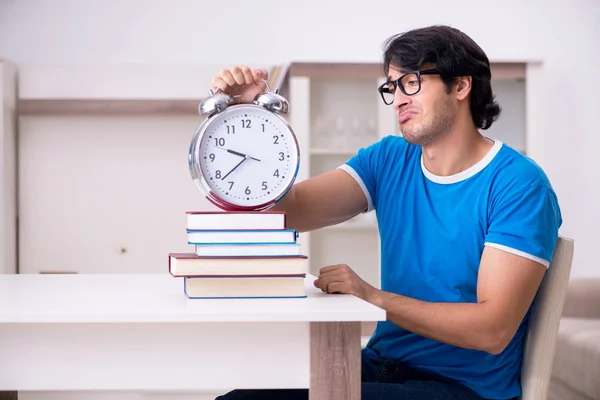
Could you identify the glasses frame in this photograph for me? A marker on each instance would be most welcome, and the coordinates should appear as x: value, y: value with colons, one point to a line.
x: 383, y: 88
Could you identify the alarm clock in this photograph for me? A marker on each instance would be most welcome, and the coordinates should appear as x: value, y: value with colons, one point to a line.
x: 244, y: 157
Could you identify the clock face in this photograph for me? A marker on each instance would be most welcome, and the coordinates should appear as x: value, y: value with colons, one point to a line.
x: 248, y: 156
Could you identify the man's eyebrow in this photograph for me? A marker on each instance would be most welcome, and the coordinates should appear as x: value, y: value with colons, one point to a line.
x: 402, y: 72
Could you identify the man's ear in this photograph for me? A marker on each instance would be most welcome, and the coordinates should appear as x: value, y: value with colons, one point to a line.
x: 462, y: 87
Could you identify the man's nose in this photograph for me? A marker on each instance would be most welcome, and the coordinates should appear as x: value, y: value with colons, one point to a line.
x: 400, y: 99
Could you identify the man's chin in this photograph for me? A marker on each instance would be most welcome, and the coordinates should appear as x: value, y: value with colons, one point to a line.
x: 416, y: 139
x: 410, y: 137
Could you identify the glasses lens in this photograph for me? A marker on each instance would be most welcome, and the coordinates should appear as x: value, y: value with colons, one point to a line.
x: 410, y: 83
x: 387, y: 93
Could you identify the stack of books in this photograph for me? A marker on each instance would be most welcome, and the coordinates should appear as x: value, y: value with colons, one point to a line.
x: 240, y: 254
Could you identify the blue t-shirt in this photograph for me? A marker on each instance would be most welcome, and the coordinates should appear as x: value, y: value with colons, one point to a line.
x: 433, y: 230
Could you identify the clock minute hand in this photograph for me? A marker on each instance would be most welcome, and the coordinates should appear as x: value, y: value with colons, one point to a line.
x: 234, y: 168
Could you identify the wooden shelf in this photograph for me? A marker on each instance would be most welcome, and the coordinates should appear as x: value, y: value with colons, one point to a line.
x: 500, y: 70
x: 108, y: 107
x: 336, y: 70
x: 505, y: 70
x: 279, y: 77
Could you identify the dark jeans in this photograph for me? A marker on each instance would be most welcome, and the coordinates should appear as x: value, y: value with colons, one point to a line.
x: 381, y: 380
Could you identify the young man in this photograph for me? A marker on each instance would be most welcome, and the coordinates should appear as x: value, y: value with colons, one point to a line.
x: 467, y: 224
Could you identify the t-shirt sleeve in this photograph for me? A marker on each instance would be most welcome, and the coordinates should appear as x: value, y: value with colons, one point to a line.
x: 364, y: 168
x: 526, y: 224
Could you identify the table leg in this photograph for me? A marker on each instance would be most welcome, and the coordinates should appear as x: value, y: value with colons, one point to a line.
x: 335, y: 361
x: 9, y: 395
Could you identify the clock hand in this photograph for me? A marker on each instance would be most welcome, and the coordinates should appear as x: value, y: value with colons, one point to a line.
x: 241, y: 154
x: 231, y: 151
x: 237, y: 153
x: 234, y: 168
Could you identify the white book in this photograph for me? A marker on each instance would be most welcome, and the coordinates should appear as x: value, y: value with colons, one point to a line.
x: 264, y: 236
x: 244, y: 287
x: 234, y: 220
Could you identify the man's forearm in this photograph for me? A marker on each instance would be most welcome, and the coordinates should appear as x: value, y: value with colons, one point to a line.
x: 306, y: 213
x: 294, y: 213
x: 323, y: 200
x: 467, y: 325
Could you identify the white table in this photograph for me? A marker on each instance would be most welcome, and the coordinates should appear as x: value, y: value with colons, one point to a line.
x: 139, y: 332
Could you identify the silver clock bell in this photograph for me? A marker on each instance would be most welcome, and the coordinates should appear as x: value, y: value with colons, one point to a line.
x: 218, y: 101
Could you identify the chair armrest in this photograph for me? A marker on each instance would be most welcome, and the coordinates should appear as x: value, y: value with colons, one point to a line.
x: 582, y: 298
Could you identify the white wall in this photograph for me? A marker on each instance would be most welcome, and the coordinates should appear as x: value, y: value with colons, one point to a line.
x: 8, y: 165
x: 563, y: 34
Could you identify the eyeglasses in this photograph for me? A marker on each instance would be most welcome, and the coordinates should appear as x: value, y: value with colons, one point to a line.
x: 409, y: 84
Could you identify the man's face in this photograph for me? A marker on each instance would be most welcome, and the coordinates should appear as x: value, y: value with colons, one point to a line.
x: 426, y: 115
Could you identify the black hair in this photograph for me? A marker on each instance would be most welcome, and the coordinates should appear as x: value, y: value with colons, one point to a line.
x: 454, y: 54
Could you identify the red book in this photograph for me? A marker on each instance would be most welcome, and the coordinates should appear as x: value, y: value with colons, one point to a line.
x: 189, y: 264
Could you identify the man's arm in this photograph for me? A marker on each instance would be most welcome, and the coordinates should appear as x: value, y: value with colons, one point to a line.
x: 323, y: 200
x: 317, y: 202
x: 506, y: 287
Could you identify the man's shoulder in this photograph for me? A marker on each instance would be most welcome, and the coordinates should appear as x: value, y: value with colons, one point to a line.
x: 515, y: 172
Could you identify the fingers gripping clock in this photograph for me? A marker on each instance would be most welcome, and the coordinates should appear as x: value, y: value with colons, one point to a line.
x: 244, y: 156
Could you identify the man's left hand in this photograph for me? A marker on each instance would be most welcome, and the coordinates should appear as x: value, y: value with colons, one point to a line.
x: 340, y: 278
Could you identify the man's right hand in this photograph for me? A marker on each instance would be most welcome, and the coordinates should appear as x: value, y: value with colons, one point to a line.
x: 241, y: 81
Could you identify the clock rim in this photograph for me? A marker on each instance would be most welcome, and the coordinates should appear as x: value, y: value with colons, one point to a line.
x: 202, y: 183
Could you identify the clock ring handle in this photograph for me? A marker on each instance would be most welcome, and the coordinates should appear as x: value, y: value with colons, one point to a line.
x: 267, y: 86
x: 269, y: 90
x: 212, y: 92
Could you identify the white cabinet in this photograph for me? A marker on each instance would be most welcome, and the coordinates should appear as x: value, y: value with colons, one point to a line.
x: 104, y: 183
x: 510, y: 126
x: 335, y: 110
x: 333, y: 118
